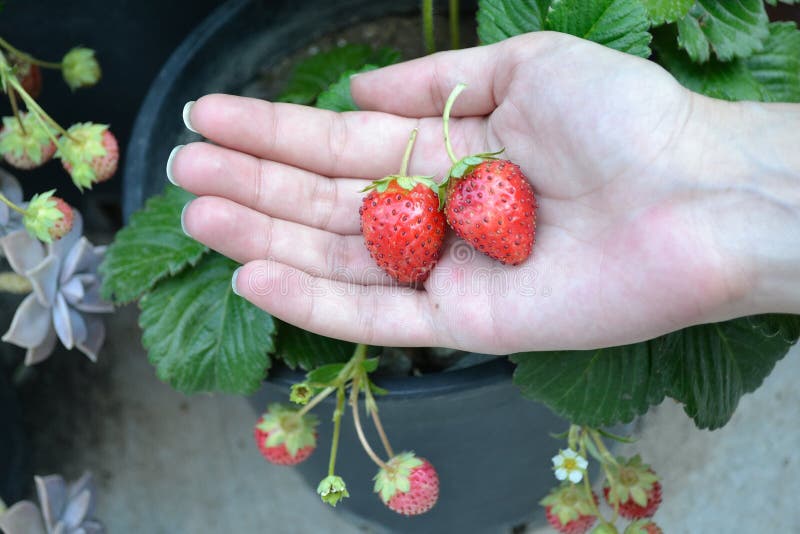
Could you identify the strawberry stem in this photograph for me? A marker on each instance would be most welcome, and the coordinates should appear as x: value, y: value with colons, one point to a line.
x: 341, y: 379
x: 37, y: 110
x: 354, y: 389
x: 372, y: 408
x: 407, y: 153
x: 321, y: 396
x: 588, y: 487
x: 11, y: 205
x: 27, y: 57
x: 337, y: 427
x: 12, y: 98
x: 455, y: 41
x: 427, y: 26
x: 446, y: 120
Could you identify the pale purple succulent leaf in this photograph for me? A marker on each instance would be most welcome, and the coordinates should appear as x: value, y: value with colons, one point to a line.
x: 30, y: 325
x: 95, y: 335
x: 22, y: 518
x: 69, y: 324
x: 91, y: 527
x: 73, y: 290
x: 60, y: 528
x: 42, y: 351
x: 77, y: 510
x: 80, y: 259
x: 10, y: 187
x: 22, y: 251
x: 44, y: 279
x: 63, y: 246
x: 52, y: 491
x: 92, y: 301
x: 85, y: 483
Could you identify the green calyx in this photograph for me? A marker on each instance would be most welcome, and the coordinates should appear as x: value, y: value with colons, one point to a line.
x: 569, y: 502
x: 285, y: 426
x: 395, y: 479
x: 406, y: 182
x: 80, y: 68
x: 42, y: 215
x: 332, y: 489
x: 605, y: 528
x: 83, y: 144
x: 301, y: 393
x: 26, y: 140
x: 630, y: 479
x: 640, y: 527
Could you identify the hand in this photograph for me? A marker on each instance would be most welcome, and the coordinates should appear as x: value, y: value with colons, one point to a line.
x: 626, y: 247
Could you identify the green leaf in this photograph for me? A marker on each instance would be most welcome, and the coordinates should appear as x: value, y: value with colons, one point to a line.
x: 325, y: 374
x: 595, y: 387
x: 775, y: 2
x: 370, y: 365
x: 150, y: 248
x: 618, y: 24
x: 337, y: 97
x: 731, y: 28
x: 300, y: 348
x: 661, y: 11
x: 711, y: 366
x: 730, y: 80
x: 501, y: 19
x: 201, y: 336
x: 315, y: 74
x: 777, y: 66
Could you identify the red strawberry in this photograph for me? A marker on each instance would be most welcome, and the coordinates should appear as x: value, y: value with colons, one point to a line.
x: 409, y: 485
x: 285, y: 437
x: 643, y: 526
x: 489, y: 201
x: 402, y: 226
x: 569, y: 510
x: 27, y: 145
x: 29, y: 76
x: 103, y: 166
x: 635, y: 489
x: 64, y: 224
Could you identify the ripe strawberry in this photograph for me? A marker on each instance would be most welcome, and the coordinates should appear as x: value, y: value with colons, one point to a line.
x: 29, y: 76
x: 643, y: 526
x: 489, y: 202
x: 635, y: 488
x: 569, y: 510
x: 284, y: 437
x: 28, y: 145
x: 90, y: 154
x: 63, y: 225
x: 402, y: 226
x: 410, y: 485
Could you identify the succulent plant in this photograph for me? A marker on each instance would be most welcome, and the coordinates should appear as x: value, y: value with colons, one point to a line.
x: 65, y: 303
x: 65, y: 509
x: 10, y: 220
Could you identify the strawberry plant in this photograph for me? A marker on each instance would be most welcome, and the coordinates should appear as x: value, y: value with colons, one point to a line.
x: 202, y: 337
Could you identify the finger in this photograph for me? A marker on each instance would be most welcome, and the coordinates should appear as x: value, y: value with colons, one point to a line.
x: 275, y: 189
x: 375, y: 315
x: 246, y: 235
x: 353, y: 145
x: 420, y: 88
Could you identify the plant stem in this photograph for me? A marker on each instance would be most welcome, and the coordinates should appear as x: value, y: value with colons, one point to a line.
x: 337, y: 427
x: 446, y: 119
x: 319, y: 397
x: 427, y: 26
x: 27, y: 57
x: 595, y: 435
x: 455, y: 41
x: 354, y: 388
x: 588, y: 487
x: 12, y: 98
x: 14, y: 283
x: 11, y: 205
x: 341, y: 379
x: 372, y: 407
x: 407, y: 153
x: 37, y: 109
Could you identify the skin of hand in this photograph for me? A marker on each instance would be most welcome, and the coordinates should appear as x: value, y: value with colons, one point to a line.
x: 658, y: 208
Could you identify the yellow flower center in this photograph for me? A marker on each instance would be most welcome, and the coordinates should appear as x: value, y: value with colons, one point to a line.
x: 570, y: 464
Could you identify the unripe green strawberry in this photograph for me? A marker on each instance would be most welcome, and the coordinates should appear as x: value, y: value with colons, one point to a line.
x: 569, y: 510
x: 409, y: 485
x: 635, y: 489
x: 284, y: 437
x: 48, y: 218
x: 80, y: 68
x: 26, y: 146
x: 401, y: 223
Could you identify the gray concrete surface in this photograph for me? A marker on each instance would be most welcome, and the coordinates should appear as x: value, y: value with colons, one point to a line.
x: 168, y: 463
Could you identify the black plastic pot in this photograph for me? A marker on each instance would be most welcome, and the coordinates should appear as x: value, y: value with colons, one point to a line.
x: 14, y: 453
x: 489, y: 445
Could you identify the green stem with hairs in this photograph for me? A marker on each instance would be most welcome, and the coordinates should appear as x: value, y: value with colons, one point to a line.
x: 337, y: 427
x: 12, y: 98
x: 427, y: 26
x: 37, y: 109
x: 11, y: 205
x: 407, y: 153
x: 354, y: 390
x: 27, y: 57
x: 372, y: 408
x: 455, y: 40
x: 588, y: 487
x: 446, y: 120
x: 341, y: 379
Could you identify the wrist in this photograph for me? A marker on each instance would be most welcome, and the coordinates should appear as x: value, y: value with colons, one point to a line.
x: 750, y: 176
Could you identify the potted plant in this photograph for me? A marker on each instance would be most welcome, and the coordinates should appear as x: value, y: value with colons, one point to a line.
x: 202, y: 338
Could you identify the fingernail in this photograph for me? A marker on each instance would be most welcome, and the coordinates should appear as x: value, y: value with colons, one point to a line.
x: 233, y: 281
x: 170, y: 177
x: 183, y: 215
x: 187, y: 110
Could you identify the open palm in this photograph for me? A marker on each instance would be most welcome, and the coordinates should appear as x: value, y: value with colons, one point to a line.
x: 621, y: 253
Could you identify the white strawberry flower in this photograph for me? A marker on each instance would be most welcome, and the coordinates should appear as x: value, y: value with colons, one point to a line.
x: 568, y: 464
